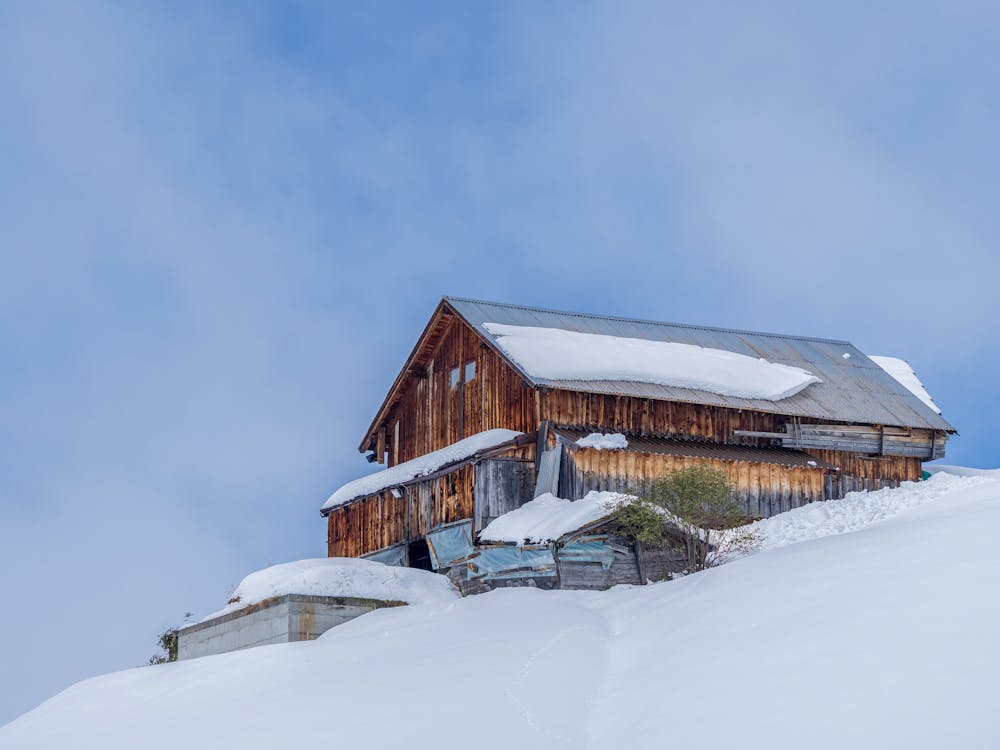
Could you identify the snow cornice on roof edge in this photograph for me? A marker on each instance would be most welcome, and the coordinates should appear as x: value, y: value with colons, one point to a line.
x: 420, y: 468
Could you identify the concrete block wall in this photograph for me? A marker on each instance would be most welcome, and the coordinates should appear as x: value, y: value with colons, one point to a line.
x: 279, y: 620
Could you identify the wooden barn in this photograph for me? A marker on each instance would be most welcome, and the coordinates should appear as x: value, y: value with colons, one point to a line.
x: 498, y: 404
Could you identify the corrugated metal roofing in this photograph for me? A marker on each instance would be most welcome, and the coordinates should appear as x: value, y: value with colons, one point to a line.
x: 707, y: 449
x: 854, y: 389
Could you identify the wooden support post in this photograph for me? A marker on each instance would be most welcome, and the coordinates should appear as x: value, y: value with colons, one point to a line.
x: 637, y: 546
x: 380, y: 445
x: 542, y: 444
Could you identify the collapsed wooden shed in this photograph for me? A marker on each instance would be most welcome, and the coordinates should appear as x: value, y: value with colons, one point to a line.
x: 846, y: 425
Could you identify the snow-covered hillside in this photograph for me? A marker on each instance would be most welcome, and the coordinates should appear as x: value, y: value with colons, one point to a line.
x: 881, y: 637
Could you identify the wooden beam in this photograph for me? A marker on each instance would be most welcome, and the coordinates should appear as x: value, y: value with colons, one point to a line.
x: 755, y: 433
x: 380, y: 445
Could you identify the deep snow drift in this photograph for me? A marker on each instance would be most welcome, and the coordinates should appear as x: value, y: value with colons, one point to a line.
x: 883, y: 637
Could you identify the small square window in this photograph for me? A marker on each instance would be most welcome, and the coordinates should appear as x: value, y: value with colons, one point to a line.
x: 453, y: 377
x: 470, y: 370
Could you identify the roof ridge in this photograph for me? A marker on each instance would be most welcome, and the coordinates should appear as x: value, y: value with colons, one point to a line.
x: 648, y: 322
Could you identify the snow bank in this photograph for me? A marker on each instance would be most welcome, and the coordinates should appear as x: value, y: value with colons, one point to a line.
x: 340, y: 576
x: 900, y: 370
x: 418, y: 467
x: 555, y: 354
x: 881, y: 638
x: 547, y: 517
x: 604, y: 442
x: 962, y: 471
x: 855, y: 511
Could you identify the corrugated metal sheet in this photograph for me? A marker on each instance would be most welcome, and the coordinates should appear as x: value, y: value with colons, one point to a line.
x: 707, y: 449
x: 854, y: 389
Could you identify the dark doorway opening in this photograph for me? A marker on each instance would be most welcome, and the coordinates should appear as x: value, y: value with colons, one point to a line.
x: 420, y: 555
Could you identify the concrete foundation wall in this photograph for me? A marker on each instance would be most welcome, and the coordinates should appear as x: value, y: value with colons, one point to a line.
x: 279, y: 620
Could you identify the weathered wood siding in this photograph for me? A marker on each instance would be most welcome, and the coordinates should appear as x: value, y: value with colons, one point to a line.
x: 659, y: 563
x: 502, y: 485
x: 866, y: 439
x: 866, y: 473
x: 382, y: 520
x: 432, y: 413
x: 764, y: 489
x: 648, y: 417
x: 624, y: 568
x: 366, y: 525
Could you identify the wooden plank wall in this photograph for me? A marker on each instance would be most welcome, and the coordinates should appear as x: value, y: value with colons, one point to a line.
x: 366, y: 525
x: 575, y: 574
x: 502, y: 485
x: 640, y: 416
x: 867, y: 439
x: 432, y: 414
x: 382, y: 520
x: 764, y: 489
x: 648, y: 417
x: 864, y: 473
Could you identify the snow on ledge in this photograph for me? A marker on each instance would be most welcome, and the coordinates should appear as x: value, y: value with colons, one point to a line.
x: 902, y: 372
x: 856, y: 510
x: 611, y: 441
x: 555, y: 354
x: 547, y: 517
x: 340, y: 576
x: 418, y: 467
x: 961, y: 471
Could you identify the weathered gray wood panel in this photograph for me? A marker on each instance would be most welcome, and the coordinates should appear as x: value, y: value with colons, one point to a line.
x: 659, y: 563
x: 548, y: 472
x: 624, y: 568
x: 838, y: 485
x: 866, y: 439
x: 501, y: 485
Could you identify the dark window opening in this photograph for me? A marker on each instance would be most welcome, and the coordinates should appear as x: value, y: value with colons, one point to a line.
x: 420, y: 555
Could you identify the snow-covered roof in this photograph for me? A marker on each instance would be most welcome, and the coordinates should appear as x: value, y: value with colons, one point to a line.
x: 557, y: 354
x: 418, y: 467
x: 853, y: 388
x: 900, y: 369
x: 340, y: 576
x: 547, y: 517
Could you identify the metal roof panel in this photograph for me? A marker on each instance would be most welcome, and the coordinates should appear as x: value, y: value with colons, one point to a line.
x: 854, y: 389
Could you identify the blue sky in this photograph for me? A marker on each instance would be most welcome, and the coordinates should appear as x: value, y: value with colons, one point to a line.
x: 223, y: 228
